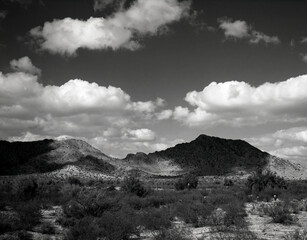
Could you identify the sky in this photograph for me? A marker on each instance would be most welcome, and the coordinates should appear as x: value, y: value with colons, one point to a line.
x: 142, y: 75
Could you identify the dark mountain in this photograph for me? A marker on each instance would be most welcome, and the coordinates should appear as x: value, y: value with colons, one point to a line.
x: 209, y: 156
x: 48, y: 155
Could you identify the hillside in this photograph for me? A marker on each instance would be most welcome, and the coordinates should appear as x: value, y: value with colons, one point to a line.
x: 50, y: 155
x: 206, y: 156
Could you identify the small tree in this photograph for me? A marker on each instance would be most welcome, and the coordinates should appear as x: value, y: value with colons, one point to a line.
x: 179, y: 185
x: 134, y: 185
x: 259, y: 181
x: 189, y: 181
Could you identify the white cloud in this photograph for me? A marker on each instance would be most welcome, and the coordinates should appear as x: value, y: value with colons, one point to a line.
x: 238, y: 103
x: 142, y: 134
x: 121, y: 30
x: 239, y: 29
x: 24, y: 64
x: 258, y: 37
x: 235, y: 29
x: 31, y: 111
x: 165, y: 114
x: 286, y: 143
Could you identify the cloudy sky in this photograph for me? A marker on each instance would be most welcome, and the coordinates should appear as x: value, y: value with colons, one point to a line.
x: 143, y: 75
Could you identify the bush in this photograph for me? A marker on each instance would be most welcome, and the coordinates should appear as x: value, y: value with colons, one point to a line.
x: 117, y: 226
x: 259, y: 181
x: 155, y: 219
x: 135, y: 186
x: 85, y: 228
x: 228, y: 182
x: 180, y: 185
x: 29, y: 213
x: 190, y: 181
x: 194, y: 212
x: 46, y: 228
x: 74, y: 180
x: 234, y: 214
x: 279, y: 212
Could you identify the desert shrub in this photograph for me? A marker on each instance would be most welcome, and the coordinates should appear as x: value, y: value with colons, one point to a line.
x: 116, y: 226
x: 74, y: 209
x: 193, y: 212
x: 190, y: 181
x: 234, y: 214
x: 259, y: 181
x: 17, y: 235
x: 74, y: 180
x: 279, y: 212
x: 172, y: 234
x: 268, y: 194
x: 155, y: 219
x: 155, y: 199
x: 46, y: 228
x: 29, y: 213
x: 228, y: 182
x: 135, y: 186
x: 69, y: 191
x: 85, y: 228
x: 50, y: 193
x: 220, y: 198
x: 66, y: 221
x: 296, y: 235
x: 296, y: 189
x: 180, y: 185
x: 24, y: 190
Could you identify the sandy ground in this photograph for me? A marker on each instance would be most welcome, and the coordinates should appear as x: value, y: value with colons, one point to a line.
x: 262, y: 227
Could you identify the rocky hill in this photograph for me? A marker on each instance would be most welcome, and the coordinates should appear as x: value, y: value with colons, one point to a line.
x: 50, y: 155
x: 208, y: 155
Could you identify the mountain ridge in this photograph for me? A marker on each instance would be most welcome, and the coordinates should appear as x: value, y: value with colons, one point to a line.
x: 204, y: 156
x: 48, y: 155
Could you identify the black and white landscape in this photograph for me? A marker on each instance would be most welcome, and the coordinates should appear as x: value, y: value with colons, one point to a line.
x: 153, y: 119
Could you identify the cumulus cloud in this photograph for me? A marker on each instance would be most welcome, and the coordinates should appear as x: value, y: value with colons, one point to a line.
x: 31, y: 111
x: 165, y: 114
x: 121, y: 30
x: 24, y: 64
x: 240, y: 29
x: 142, y: 134
x: 238, y: 103
x: 235, y: 29
x: 286, y: 143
